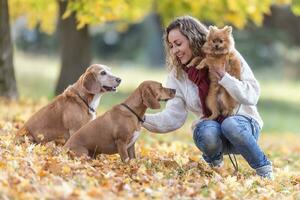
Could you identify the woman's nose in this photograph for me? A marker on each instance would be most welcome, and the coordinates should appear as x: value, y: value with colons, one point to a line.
x: 175, y: 50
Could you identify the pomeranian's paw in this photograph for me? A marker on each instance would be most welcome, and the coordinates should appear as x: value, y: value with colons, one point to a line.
x: 195, y: 62
x: 227, y: 112
x: 200, y: 66
x: 212, y: 117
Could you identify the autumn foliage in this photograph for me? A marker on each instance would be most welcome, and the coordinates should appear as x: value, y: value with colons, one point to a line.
x: 167, y: 167
x: 97, y: 12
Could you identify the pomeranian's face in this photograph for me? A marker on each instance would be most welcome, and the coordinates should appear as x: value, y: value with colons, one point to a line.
x: 219, y: 41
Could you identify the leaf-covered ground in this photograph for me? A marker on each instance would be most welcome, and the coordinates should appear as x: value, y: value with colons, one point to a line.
x: 168, y: 167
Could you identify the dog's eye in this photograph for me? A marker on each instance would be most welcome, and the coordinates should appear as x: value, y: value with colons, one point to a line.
x: 103, y: 73
x: 221, y: 41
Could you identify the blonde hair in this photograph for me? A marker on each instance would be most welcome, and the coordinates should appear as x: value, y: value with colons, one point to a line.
x: 194, y: 31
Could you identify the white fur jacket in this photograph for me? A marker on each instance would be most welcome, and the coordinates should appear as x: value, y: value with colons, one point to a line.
x: 246, y: 91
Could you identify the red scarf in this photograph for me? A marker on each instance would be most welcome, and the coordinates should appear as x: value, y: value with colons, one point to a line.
x: 201, y: 79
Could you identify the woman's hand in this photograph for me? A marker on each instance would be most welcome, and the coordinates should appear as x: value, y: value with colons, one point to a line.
x: 218, y: 72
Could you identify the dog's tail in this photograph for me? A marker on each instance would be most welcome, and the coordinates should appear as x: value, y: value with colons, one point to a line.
x: 20, y: 135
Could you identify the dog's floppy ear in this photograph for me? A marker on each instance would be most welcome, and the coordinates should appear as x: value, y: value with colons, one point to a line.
x: 149, y: 98
x: 90, y: 83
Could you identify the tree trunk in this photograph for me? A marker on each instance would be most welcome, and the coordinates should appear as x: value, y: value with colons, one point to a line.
x: 75, y: 49
x: 283, y: 18
x: 8, y: 86
x: 153, y: 33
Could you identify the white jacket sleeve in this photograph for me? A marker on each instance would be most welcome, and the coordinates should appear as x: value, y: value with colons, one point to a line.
x: 174, y: 114
x: 246, y: 91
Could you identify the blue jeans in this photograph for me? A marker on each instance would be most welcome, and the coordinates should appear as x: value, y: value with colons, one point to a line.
x: 236, y: 134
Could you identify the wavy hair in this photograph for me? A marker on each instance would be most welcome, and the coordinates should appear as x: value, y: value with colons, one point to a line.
x: 194, y: 31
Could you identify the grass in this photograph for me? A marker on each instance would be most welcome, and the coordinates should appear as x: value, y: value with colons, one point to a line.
x: 279, y: 104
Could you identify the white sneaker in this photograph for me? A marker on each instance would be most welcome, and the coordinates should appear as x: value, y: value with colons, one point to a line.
x: 219, y: 165
x: 268, y: 175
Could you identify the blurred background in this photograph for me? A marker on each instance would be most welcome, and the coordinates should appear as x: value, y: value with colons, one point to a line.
x: 46, y: 45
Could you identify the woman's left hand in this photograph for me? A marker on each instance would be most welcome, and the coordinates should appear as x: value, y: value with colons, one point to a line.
x: 218, y: 72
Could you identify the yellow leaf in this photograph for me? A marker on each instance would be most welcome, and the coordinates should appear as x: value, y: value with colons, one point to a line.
x: 66, y: 169
x: 42, y: 173
x: 2, y: 165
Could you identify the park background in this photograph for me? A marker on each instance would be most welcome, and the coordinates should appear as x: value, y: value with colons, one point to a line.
x: 46, y: 45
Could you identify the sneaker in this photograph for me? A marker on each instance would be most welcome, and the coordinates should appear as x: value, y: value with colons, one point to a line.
x: 219, y: 169
x: 268, y: 175
x: 265, y: 172
x: 216, y: 164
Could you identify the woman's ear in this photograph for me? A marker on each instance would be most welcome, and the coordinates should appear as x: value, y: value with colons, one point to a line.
x: 149, y: 99
x: 91, y: 84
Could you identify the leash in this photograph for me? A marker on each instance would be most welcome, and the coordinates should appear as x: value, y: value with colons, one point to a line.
x: 139, y: 118
x: 235, y: 164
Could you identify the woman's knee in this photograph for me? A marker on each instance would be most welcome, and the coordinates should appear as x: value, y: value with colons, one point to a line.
x: 207, y: 134
x: 236, y: 128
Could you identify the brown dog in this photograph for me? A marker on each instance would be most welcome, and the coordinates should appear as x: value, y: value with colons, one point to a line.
x: 219, y: 52
x: 114, y: 131
x: 73, y: 108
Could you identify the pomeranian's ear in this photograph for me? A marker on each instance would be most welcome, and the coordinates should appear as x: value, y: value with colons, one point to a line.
x: 212, y: 28
x: 228, y: 29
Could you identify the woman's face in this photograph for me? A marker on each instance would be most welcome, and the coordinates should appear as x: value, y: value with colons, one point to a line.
x: 179, y: 46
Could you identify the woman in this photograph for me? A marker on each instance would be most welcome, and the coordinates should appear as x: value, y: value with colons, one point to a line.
x: 236, y: 134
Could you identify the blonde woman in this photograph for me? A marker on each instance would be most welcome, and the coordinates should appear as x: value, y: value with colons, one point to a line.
x: 235, y: 134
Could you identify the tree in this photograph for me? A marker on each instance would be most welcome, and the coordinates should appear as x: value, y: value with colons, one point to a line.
x: 8, y: 86
x: 74, y: 18
x: 75, y: 49
x: 75, y: 44
x: 281, y: 15
x: 220, y: 12
x: 95, y: 12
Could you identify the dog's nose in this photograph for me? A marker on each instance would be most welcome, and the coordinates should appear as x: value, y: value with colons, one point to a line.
x: 173, y: 91
x: 118, y: 80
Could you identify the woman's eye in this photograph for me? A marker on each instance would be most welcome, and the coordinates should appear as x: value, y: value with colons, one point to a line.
x: 103, y: 73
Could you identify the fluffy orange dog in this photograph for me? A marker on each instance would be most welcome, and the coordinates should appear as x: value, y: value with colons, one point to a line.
x: 220, y: 52
x: 72, y: 109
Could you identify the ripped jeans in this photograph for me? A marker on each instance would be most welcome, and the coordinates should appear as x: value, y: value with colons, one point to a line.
x: 235, y: 135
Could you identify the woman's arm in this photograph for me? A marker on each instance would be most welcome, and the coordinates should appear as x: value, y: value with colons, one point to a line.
x: 245, y: 91
x: 174, y: 114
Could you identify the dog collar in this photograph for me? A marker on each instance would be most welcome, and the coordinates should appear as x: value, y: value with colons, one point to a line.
x: 86, y: 103
x: 139, y: 118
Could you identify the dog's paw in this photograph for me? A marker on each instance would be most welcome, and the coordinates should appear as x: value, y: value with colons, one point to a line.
x: 212, y: 117
x: 227, y: 112
x: 195, y: 61
x: 199, y: 67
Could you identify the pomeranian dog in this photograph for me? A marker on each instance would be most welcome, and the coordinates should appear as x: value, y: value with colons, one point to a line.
x: 220, y: 53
